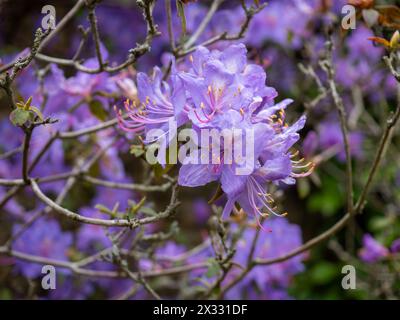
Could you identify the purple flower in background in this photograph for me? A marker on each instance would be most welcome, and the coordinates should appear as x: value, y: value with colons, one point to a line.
x: 69, y: 287
x: 310, y: 144
x: 165, y: 257
x: 330, y: 136
x: 44, y: 238
x: 395, y: 247
x: 271, y: 281
x: 92, y: 237
x: 372, y: 251
x: 201, y: 210
x: 285, y: 22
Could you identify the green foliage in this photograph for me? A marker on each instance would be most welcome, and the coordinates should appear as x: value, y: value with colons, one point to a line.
x: 19, y: 117
x: 328, y: 199
x: 213, y: 268
x: 97, y: 109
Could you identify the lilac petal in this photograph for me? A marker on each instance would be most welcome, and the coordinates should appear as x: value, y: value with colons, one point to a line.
x: 199, y: 58
x: 231, y: 183
x: 234, y: 58
x: 194, y: 175
x: 197, y: 90
x: 276, y: 169
x: 372, y: 250
x: 216, y: 76
x: 267, y: 112
x: 228, y: 207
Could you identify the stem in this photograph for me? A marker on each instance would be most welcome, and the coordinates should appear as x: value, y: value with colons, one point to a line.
x: 25, y: 155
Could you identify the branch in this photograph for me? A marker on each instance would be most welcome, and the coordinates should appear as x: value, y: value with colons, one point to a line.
x: 203, y: 25
x: 74, y: 267
x: 385, y: 139
x: 131, y: 223
x: 25, y: 154
x: 250, y: 12
x: 327, y: 66
x: 127, y: 186
x: 134, y: 53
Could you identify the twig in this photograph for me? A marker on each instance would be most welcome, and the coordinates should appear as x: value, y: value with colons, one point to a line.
x: 327, y: 66
x: 25, y: 154
x: 203, y: 25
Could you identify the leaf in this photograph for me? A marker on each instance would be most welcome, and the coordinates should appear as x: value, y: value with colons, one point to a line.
x: 37, y: 112
x: 19, y: 116
x: 394, y: 41
x: 137, y: 150
x: 181, y: 14
x: 213, y: 268
x: 303, y: 187
x: 159, y: 170
x: 323, y: 272
x: 96, y: 108
x: 328, y: 199
x: 148, y: 211
x: 380, y: 41
x: 136, y: 207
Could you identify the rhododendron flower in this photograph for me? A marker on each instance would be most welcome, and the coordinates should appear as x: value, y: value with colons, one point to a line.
x: 159, y: 101
x: 372, y: 251
x: 219, y: 90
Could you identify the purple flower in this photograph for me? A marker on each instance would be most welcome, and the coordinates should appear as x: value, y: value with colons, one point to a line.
x: 310, y: 144
x: 92, y: 237
x: 165, y: 257
x: 330, y: 136
x: 225, y: 92
x: 372, y: 251
x: 395, y: 247
x: 201, y: 210
x: 272, y: 281
x: 285, y: 22
x: 44, y: 238
x: 69, y: 287
x: 160, y: 102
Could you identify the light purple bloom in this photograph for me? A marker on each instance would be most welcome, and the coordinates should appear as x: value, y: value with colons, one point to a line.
x: 44, y: 238
x: 272, y: 280
x: 395, y: 247
x: 372, y: 251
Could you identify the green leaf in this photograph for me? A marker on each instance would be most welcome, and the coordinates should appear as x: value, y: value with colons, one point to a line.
x: 96, y: 108
x: 324, y: 272
x: 181, y: 13
x: 148, y: 211
x: 37, y: 112
x: 137, y: 150
x: 328, y: 199
x: 213, y: 268
x: 303, y: 187
x: 19, y: 116
x: 159, y: 170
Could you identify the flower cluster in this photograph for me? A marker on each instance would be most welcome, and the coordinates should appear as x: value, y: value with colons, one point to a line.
x: 220, y: 90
